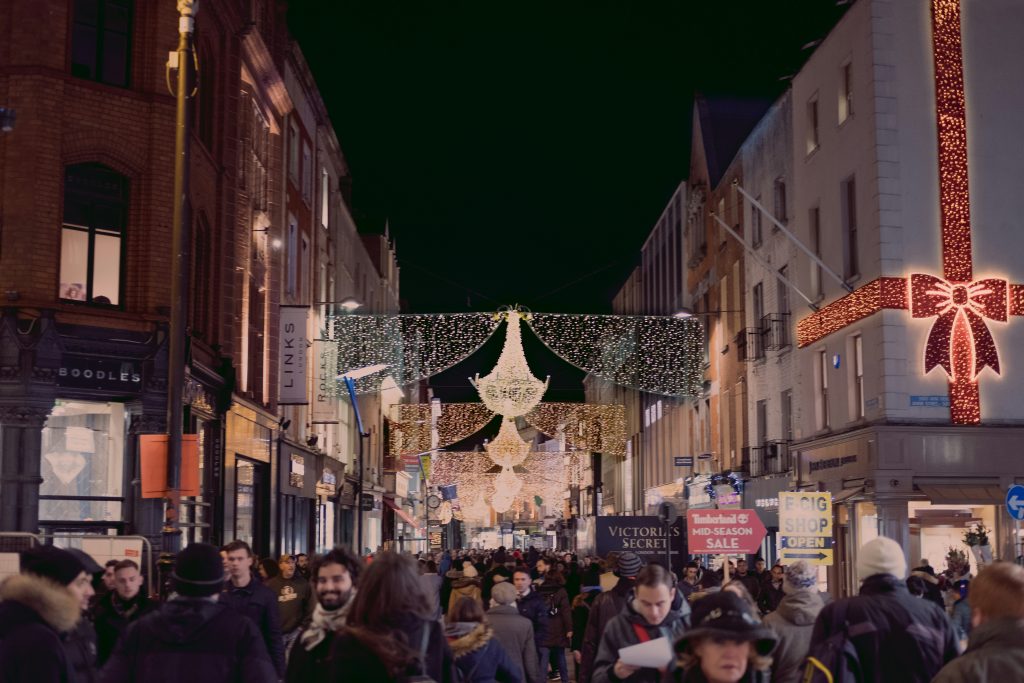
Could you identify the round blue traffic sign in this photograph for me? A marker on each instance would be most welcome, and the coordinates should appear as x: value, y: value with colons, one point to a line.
x: 1015, y: 501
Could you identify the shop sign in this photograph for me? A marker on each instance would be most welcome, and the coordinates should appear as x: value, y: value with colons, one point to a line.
x: 726, y: 497
x: 325, y: 380
x: 104, y: 374
x: 940, y: 401
x: 831, y: 463
x: 684, y: 461
x: 648, y: 537
x: 805, y: 526
x: 292, y: 350
x: 296, y: 470
x: 367, y: 502
x: 724, y: 532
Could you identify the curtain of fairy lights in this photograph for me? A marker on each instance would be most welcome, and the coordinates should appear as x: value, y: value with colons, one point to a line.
x: 656, y: 354
x: 586, y: 426
x: 410, y: 430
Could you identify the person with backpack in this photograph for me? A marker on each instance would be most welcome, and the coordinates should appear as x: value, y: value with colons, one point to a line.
x: 606, y: 606
x: 655, y: 609
x: 793, y: 621
x: 479, y: 656
x: 883, y: 634
x: 559, y: 622
x: 726, y: 643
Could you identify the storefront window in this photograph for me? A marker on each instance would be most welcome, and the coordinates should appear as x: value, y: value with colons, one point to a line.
x: 941, y: 527
x: 83, y: 462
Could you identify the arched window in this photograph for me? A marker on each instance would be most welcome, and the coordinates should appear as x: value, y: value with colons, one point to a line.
x: 92, y: 236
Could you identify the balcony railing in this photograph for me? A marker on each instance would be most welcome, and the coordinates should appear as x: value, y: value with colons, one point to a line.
x: 749, y: 344
x: 771, y: 458
x: 775, y: 331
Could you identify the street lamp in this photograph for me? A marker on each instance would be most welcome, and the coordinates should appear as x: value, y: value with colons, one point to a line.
x: 349, y: 304
x: 350, y: 378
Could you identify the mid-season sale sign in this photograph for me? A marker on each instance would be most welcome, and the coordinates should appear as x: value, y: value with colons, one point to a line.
x: 724, y: 532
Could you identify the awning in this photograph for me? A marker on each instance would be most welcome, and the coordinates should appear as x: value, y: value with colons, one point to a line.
x: 400, y: 512
x: 964, y: 493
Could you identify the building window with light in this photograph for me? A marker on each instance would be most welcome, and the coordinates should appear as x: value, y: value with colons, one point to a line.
x: 756, y: 229
x: 292, y: 263
x: 92, y: 234
x: 845, y: 92
x: 858, y: 377
x: 812, y: 124
x: 848, y: 201
x: 822, y: 393
x: 780, y: 201
x: 101, y: 41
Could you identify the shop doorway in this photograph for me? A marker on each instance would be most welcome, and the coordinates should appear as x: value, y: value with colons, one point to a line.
x: 935, y: 529
x: 251, y: 495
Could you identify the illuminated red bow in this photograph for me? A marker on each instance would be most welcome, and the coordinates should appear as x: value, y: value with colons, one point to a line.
x: 931, y: 296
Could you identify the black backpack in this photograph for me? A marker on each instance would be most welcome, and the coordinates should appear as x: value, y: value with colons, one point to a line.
x: 835, y: 659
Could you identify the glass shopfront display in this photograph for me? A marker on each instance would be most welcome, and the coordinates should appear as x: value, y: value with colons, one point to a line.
x: 251, y: 480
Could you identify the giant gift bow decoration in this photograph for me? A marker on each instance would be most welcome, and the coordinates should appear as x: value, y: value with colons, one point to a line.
x: 959, y: 341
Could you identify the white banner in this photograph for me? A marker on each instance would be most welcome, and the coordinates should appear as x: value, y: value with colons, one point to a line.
x: 293, y: 354
x: 325, y: 373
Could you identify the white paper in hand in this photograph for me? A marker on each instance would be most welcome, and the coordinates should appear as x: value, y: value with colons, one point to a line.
x: 654, y: 654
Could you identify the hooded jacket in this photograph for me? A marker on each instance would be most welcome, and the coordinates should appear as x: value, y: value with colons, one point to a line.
x: 33, y: 613
x: 605, y: 607
x: 911, y: 640
x: 111, y: 618
x: 621, y: 632
x: 793, y: 620
x: 191, y: 639
x: 995, y: 653
x: 463, y: 587
x: 560, y: 623
x: 479, y: 657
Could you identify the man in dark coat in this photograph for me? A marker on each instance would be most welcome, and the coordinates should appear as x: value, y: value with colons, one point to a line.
x: 899, y: 638
x: 36, y: 607
x: 514, y: 631
x: 193, y: 637
x: 295, y: 600
x: 531, y: 605
x: 254, y: 600
x: 126, y: 603
x: 606, y: 607
x: 80, y: 642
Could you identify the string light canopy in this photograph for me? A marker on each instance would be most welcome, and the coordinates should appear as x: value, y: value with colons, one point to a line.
x: 511, y: 389
x: 585, y: 426
x: 409, y: 429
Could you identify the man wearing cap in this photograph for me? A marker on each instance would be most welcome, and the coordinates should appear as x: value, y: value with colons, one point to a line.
x: 193, y: 637
x: 36, y: 607
x: 897, y: 637
x: 514, y: 631
x: 606, y: 607
x: 294, y: 599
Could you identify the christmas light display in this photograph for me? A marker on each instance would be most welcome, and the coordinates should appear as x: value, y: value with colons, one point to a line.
x: 508, y: 448
x: 410, y: 425
x: 959, y: 341
x: 585, y: 426
x: 510, y: 389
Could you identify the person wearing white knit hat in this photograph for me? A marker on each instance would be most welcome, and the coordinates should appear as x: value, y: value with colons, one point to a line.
x: 897, y: 637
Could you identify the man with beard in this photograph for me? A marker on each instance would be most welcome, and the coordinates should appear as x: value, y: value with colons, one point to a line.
x: 123, y: 605
x: 334, y: 579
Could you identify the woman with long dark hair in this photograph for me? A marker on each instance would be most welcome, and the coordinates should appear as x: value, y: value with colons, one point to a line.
x: 479, y: 656
x: 391, y: 632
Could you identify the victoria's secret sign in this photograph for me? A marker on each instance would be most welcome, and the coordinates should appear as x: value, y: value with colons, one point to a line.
x: 108, y: 374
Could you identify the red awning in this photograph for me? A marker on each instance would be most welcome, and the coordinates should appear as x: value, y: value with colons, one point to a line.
x: 400, y: 512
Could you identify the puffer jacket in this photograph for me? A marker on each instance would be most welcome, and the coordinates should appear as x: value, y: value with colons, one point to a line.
x: 33, y: 614
x: 911, y: 640
x: 479, y: 656
x: 559, y: 615
x: 793, y: 621
x: 621, y: 632
x: 995, y: 653
x: 464, y: 587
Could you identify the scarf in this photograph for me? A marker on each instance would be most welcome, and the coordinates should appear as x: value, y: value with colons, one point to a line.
x: 324, y: 621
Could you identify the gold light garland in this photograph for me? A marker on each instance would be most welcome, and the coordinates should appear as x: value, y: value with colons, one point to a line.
x: 410, y: 425
x: 586, y: 426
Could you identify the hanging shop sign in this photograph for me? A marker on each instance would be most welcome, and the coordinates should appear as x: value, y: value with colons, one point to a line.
x: 298, y: 469
x: 724, y: 532
x: 646, y: 536
x: 293, y: 351
x: 327, y: 486
x: 104, y: 374
x: 805, y: 526
x: 325, y: 381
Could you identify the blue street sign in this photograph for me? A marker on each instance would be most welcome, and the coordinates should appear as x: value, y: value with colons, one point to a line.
x: 1015, y: 502
x: 684, y: 460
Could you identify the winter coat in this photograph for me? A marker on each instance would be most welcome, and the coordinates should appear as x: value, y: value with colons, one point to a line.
x: 111, y: 618
x: 33, y: 613
x: 912, y: 639
x: 190, y: 639
x: 80, y: 646
x: 793, y: 621
x: 295, y: 601
x: 695, y: 675
x: 479, y: 657
x: 314, y: 664
x: 515, y: 633
x: 352, y: 659
x: 466, y: 587
x: 605, y: 607
x: 559, y: 614
x: 533, y: 608
x: 770, y: 597
x: 447, y: 579
x: 995, y: 654
x: 962, y: 618
x: 259, y: 603
x: 751, y: 583
x: 621, y: 632
x: 580, y: 614
x: 432, y: 589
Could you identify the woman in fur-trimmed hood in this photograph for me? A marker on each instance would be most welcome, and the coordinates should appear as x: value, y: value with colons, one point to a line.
x: 479, y: 657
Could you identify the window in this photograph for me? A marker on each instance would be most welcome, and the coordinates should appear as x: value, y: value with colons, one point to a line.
x: 758, y: 303
x: 201, y: 285
x: 783, y: 291
x: 304, y: 270
x: 848, y: 201
x: 780, y: 201
x: 822, y: 372
x: 101, y: 41
x: 292, y: 271
x: 325, y: 198
x: 812, y: 124
x: 203, y: 101
x: 762, y: 423
x: 787, y: 414
x: 846, y: 92
x: 307, y: 173
x: 92, y: 237
x: 814, y: 224
x: 756, y: 218
x: 293, y: 150
x: 858, y: 377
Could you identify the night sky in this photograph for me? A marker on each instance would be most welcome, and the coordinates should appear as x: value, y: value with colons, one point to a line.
x: 521, y: 152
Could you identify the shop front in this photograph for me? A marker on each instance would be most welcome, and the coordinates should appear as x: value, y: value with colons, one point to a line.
x: 250, y: 491
x: 297, y: 470
x: 328, y: 500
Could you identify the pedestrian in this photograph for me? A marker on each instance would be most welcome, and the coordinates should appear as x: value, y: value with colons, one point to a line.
x: 531, y: 605
x: 302, y: 565
x: 268, y: 569
x: 80, y: 642
x: 495, y: 575
x: 580, y: 613
x: 105, y: 585
x: 295, y: 600
x: 961, y: 616
x: 897, y: 637
x: 194, y: 637
x: 559, y: 623
x: 691, y: 580
x: 252, y: 599
x: 760, y: 570
x: 995, y: 652
x: 740, y: 588
x: 931, y: 584
x: 725, y: 644
x: 466, y: 586
x: 793, y: 621
x: 125, y: 604
x: 514, y: 631
x: 751, y: 581
x: 479, y: 656
x: 606, y: 607
x: 655, y: 609
x: 335, y: 580
x: 37, y: 606
x: 431, y: 586
x: 772, y: 590
x: 389, y: 631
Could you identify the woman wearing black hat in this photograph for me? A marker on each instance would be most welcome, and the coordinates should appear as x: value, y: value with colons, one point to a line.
x: 726, y: 644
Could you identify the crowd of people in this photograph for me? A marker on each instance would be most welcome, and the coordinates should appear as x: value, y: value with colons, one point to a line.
x: 514, y: 617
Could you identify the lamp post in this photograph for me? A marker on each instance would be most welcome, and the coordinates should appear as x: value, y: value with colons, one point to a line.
x: 350, y: 383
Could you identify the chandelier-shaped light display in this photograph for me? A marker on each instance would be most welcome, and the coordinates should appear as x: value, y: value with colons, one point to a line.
x: 510, y: 389
x: 444, y: 513
x: 508, y: 448
x: 506, y: 487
